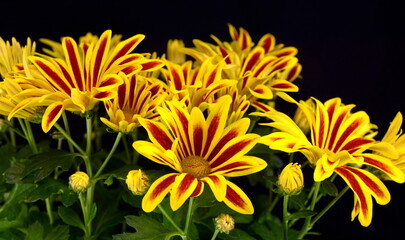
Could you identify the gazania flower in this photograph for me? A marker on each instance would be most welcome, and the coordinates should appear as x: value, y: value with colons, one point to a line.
x: 83, y: 77
x: 196, y: 86
x: 396, y: 143
x: 337, y: 144
x: 137, y: 97
x: 261, y: 70
x: 13, y: 60
x: 201, y: 150
x: 11, y: 55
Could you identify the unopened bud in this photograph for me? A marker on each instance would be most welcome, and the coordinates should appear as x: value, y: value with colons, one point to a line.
x: 291, y: 179
x: 79, y: 181
x: 224, y: 223
x: 137, y: 182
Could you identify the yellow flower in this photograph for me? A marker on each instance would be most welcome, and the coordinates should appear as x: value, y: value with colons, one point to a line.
x: 137, y: 97
x: 196, y: 86
x: 261, y: 70
x: 338, y: 143
x: 291, y: 179
x: 79, y: 181
x: 86, y: 75
x: 201, y: 150
x: 137, y: 182
x: 393, y: 143
x: 224, y: 223
x: 174, y: 53
x: 11, y: 55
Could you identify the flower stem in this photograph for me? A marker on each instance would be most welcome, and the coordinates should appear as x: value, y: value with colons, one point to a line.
x: 214, y: 236
x: 69, y: 139
x: 327, y: 207
x: 114, y: 147
x: 170, y: 220
x: 189, y: 214
x: 66, y: 124
x: 306, y: 227
x: 285, y: 216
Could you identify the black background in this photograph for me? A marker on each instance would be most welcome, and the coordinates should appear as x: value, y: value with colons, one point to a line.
x: 348, y: 49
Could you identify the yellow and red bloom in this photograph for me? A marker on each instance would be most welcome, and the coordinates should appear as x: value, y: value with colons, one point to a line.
x: 200, y: 150
x: 137, y: 97
x: 261, y: 70
x: 337, y: 144
x: 396, y: 143
x: 196, y: 86
x: 86, y: 75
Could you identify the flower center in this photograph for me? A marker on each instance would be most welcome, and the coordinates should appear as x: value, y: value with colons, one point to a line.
x: 196, y: 166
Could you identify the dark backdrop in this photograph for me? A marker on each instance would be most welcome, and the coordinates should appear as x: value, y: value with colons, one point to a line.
x: 350, y: 49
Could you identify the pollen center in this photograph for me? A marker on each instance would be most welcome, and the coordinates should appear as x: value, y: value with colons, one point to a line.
x: 196, y: 166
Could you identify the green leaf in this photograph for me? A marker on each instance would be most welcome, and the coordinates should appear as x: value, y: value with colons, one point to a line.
x: 237, y: 234
x: 44, y: 189
x: 147, y: 228
x: 39, y: 166
x: 70, y: 217
x: 329, y: 187
x: 35, y: 231
x: 59, y: 232
x: 301, y: 214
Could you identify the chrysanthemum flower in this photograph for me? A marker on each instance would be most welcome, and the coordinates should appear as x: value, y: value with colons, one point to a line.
x: 201, y: 150
x: 11, y: 55
x: 137, y: 97
x: 84, y: 77
x: 196, y: 86
x: 396, y: 140
x: 337, y: 144
x: 13, y: 60
x: 261, y: 70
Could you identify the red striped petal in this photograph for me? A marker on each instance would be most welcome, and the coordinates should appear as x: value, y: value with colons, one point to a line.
x: 158, y: 133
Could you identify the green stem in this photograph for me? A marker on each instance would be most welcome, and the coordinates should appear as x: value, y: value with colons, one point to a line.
x: 66, y: 124
x: 305, y: 228
x: 114, y: 147
x: 321, y: 213
x: 82, y: 200
x: 285, y: 216
x: 189, y: 215
x: 170, y: 220
x: 69, y: 139
x: 214, y: 236
x: 87, y: 161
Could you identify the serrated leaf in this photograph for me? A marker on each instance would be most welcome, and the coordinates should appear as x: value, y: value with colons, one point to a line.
x: 35, y: 232
x: 147, y: 228
x: 70, y: 217
x: 44, y: 189
x: 60, y: 232
x: 301, y: 214
x: 38, y: 166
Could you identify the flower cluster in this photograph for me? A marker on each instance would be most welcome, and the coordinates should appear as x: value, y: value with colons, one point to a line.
x: 200, y: 113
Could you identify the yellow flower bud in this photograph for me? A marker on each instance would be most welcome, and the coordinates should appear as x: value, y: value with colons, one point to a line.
x: 224, y: 223
x: 137, y: 181
x: 291, y: 179
x: 79, y: 181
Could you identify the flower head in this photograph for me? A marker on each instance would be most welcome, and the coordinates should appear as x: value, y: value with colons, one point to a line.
x: 137, y: 97
x: 337, y: 144
x: 224, y: 223
x: 137, y: 182
x: 79, y: 181
x: 201, y: 150
x: 261, y: 69
x: 393, y: 143
x: 84, y: 76
x: 291, y: 179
